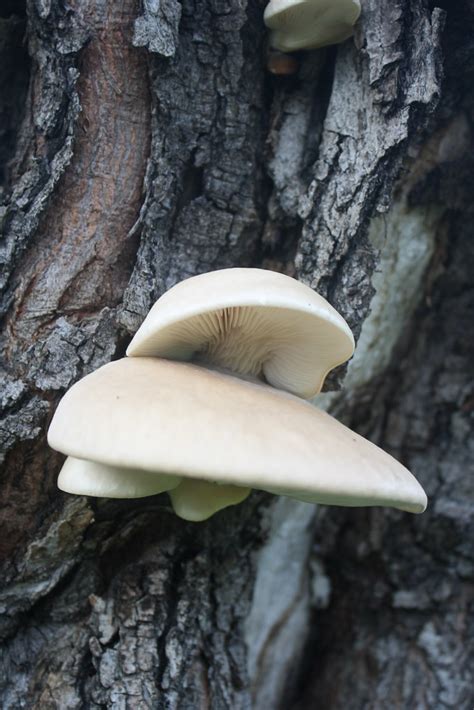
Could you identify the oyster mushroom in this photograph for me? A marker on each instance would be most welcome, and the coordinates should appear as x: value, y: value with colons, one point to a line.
x: 309, y: 24
x: 250, y: 322
x: 183, y: 421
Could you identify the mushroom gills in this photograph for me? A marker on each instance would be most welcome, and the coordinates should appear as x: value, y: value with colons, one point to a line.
x: 90, y: 478
x: 197, y: 500
x: 280, y: 346
x: 237, y: 339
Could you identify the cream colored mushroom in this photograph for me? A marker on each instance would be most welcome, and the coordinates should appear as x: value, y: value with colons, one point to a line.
x: 183, y: 420
x: 192, y: 499
x: 90, y: 478
x: 309, y: 24
x: 250, y: 322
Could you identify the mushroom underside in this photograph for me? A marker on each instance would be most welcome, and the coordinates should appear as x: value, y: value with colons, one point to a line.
x: 250, y: 322
x: 289, y: 349
x: 192, y: 499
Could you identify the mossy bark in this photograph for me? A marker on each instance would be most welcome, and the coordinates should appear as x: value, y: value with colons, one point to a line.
x: 143, y: 143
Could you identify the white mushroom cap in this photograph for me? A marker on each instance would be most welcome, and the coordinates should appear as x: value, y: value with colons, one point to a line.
x: 90, y: 478
x: 184, y: 420
x: 197, y: 500
x: 309, y: 24
x: 251, y: 322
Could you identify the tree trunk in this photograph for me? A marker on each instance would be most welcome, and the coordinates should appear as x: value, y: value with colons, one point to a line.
x: 144, y: 143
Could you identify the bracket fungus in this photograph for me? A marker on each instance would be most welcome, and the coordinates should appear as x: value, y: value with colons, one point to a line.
x: 153, y: 422
x: 191, y: 424
x: 309, y: 24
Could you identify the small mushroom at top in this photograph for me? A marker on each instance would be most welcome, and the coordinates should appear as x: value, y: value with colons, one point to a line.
x: 210, y: 437
x: 251, y: 322
x: 309, y: 24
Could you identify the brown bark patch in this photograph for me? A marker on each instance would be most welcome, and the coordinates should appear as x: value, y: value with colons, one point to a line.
x: 83, y: 255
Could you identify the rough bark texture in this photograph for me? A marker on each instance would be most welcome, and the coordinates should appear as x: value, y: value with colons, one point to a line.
x: 143, y: 143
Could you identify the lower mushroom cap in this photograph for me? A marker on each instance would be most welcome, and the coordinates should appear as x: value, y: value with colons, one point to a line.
x: 162, y: 416
x: 90, y: 478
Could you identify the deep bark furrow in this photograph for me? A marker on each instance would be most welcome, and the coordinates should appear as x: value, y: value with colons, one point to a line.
x: 395, y: 69
x: 410, y: 609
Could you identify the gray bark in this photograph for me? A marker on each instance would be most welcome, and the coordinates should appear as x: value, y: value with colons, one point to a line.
x: 155, y: 145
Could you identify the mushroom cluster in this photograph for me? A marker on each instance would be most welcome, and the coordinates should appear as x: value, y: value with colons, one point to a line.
x: 210, y: 402
x: 309, y: 24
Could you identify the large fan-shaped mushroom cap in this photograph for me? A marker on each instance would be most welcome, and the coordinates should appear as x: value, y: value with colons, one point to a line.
x: 309, y: 24
x: 184, y: 420
x: 251, y: 322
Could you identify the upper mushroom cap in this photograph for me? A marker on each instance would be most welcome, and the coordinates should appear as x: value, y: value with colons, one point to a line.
x: 184, y: 420
x: 251, y: 322
x: 309, y: 24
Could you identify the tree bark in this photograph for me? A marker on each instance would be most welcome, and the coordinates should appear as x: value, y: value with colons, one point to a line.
x: 144, y: 143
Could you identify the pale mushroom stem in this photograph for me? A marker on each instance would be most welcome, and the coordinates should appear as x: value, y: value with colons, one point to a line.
x: 197, y: 500
x: 249, y: 322
x: 137, y: 417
